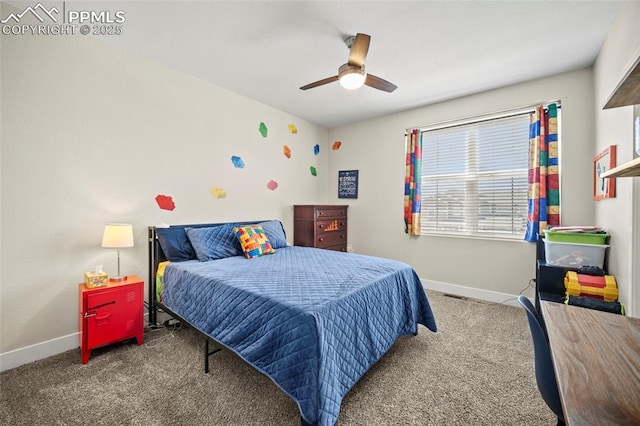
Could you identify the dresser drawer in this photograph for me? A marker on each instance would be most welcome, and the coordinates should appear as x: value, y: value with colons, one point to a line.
x: 339, y: 247
x: 331, y: 225
x: 330, y: 238
x: 331, y: 212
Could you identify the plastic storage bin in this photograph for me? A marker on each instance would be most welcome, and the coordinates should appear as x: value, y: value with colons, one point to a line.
x: 575, y: 237
x: 574, y: 255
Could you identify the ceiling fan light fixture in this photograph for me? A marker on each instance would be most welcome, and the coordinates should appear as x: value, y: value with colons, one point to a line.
x: 351, y: 77
x: 353, y: 74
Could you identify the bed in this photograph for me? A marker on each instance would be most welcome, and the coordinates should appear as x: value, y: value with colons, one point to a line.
x: 312, y: 320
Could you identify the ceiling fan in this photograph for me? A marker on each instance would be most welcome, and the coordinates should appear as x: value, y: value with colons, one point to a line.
x: 353, y: 74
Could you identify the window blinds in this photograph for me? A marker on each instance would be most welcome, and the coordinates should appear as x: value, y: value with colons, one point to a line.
x: 474, y: 177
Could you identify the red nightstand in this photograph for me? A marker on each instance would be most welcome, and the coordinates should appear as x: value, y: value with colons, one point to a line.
x: 110, y: 314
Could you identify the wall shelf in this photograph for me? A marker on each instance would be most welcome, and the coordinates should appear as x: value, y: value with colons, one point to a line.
x: 632, y: 168
x: 628, y: 90
x: 625, y: 94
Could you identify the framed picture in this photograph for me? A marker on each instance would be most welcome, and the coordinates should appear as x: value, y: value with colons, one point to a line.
x: 347, y: 184
x: 604, y: 187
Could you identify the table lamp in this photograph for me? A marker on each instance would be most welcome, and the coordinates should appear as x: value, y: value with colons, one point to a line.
x: 117, y: 236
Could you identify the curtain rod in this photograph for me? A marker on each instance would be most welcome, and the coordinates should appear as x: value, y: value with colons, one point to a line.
x: 483, y: 117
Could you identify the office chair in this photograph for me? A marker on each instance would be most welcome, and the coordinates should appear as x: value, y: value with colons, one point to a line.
x: 545, y: 374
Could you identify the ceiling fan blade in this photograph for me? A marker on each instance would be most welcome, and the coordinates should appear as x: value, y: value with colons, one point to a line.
x: 320, y: 82
x: 379, y: 83
x: 359, y: 49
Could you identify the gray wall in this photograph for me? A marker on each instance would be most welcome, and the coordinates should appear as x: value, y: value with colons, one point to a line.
x: 90, y: 135
x: 376, y: 148
x: 620, y: 215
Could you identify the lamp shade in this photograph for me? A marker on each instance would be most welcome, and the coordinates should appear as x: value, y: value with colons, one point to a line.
x: 117, y: 235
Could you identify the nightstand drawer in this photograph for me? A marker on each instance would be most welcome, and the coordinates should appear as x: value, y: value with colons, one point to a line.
x: 110, y: 314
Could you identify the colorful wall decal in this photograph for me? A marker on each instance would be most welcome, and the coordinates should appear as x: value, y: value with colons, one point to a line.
x: 165, y: 202
x: 218, y: 192
x: 272, y: 185
x: 293, y: 129
x: 313, y: 171
x: 336, y: 145
x: 316, y: 149
x: 286, y: 151
x: 237, y: 162
x: 263, y: 130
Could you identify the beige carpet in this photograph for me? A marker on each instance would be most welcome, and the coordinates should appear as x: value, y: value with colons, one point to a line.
x: 476, y: 370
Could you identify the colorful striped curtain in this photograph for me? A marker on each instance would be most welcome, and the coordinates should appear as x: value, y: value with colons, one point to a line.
x: 544, y: 186
x: 412, y: 182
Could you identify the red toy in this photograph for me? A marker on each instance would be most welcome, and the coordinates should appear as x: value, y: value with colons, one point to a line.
x: 603, y: 287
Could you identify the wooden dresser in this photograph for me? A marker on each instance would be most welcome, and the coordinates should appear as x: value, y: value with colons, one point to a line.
x: 320, y: 226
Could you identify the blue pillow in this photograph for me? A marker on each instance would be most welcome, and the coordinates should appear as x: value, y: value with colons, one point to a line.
x: 175, y: 244
x: 215, y: 242
x: 275, y: 233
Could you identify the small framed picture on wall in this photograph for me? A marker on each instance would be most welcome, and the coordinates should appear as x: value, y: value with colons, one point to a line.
x: 347, y: 184
x: 603, y: 162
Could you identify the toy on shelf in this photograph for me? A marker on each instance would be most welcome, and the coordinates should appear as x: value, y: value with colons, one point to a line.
x: 599, y: 287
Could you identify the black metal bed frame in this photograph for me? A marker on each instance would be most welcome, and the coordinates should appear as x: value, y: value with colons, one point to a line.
x: 156, y: 255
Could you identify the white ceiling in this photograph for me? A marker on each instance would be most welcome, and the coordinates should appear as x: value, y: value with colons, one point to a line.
x: 432, y: 50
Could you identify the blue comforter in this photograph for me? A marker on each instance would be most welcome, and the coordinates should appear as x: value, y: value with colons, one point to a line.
x: 312, y: 320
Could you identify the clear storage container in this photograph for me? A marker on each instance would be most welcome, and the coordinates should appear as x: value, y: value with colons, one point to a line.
x: 574, y: 255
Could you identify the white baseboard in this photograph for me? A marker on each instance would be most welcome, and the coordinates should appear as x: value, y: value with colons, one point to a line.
x: 18, y: 357
x: 473, y: 293
x: 42, y: 350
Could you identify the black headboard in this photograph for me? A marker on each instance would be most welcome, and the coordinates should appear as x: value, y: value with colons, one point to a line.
x: 156, y: 255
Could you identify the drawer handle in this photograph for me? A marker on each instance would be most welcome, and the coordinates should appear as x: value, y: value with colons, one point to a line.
x: 103, y: 317
x: 321, y: 239
x: 341, y: 236
x: 321, y: 226
x: 104, y: 304
x: 98, y: 317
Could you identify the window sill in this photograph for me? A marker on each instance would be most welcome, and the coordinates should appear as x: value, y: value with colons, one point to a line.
x: 476, y: 237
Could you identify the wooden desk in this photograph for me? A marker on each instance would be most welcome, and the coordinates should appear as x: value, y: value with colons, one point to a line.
x: 596, y: 356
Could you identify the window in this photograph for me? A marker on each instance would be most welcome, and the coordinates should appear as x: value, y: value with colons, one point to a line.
x: 475, y: 177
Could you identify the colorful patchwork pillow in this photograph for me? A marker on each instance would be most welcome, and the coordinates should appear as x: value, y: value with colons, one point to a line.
x: 253, y: 240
